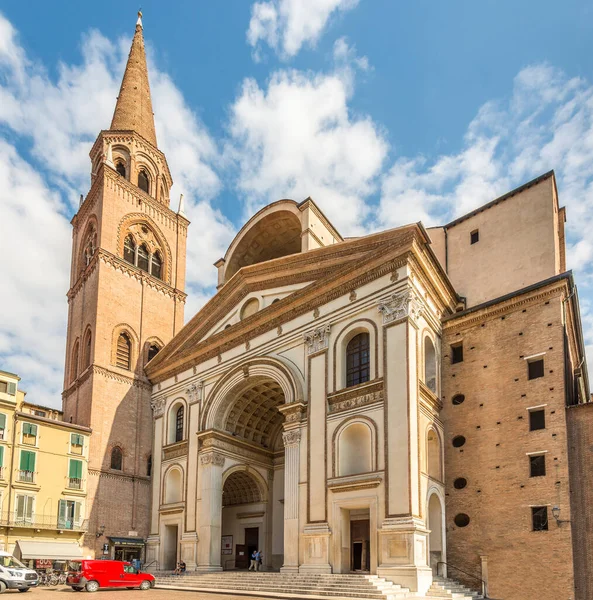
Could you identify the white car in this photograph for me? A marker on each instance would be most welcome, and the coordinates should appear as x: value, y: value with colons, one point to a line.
x: 14, y: 575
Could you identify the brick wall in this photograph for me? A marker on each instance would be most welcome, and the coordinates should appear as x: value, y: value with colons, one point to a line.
x: 522, y: 564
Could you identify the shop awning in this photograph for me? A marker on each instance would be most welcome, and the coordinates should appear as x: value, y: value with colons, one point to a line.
x: 26, y: 549
x: 123, y: 541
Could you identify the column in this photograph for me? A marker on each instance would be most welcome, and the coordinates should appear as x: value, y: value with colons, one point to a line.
x: 153, y: 540
x: 403, y: 535
x: 209, y: 531
x: 292, y: 440
x: 316, y: 533
x: 189, y: 537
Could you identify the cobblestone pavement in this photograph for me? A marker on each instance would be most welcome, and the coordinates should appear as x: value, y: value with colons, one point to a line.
x: 59, y: 592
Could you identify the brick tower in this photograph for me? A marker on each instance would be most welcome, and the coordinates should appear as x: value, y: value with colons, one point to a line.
x: 125, y: 302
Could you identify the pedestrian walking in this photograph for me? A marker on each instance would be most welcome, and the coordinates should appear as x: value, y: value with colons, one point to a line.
x: 253, y: 564
x: 258, y: 560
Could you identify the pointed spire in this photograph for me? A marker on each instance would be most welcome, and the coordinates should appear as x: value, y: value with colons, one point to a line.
x: 133, y: 110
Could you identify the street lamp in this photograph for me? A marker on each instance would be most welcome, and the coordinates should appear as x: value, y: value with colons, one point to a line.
x: 556, y: 515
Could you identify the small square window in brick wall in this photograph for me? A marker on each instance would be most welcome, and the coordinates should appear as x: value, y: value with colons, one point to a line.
x: 535, y: 368
x: 537, y: 420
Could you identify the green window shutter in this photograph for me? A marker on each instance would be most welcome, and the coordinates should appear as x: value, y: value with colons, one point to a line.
x: 76, y: 439
x: 24, y: 464
x: 1, y: 456
x: 12, y: 388
x: 20, y: 506
x: 27, y: 461
x: 2, y: 421
x: 75, y: 469
x: 26, y: 427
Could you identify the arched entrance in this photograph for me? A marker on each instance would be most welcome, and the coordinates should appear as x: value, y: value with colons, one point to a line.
x: 244, y: 518
x: 243, y: 482
x: 436, y: 542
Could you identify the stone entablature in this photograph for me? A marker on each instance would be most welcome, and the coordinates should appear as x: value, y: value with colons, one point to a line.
x: 176, y: 450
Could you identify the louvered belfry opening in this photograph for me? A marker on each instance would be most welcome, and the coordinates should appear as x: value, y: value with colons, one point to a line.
x: 124, y: 351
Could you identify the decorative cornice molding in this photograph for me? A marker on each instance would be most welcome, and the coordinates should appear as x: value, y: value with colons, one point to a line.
x: 346, y: 400
x: 175, y: 450
x: 400, y: 305
x: 317, y: 339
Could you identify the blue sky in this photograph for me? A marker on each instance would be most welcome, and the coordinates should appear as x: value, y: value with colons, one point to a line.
x: 384, y: 111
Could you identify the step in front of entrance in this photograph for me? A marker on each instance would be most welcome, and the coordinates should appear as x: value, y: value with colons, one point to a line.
x: 291, y: 585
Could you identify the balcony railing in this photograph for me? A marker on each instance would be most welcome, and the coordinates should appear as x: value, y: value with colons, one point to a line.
x: 27, y: 476
x: 35, y: 521
x: 74, y: 483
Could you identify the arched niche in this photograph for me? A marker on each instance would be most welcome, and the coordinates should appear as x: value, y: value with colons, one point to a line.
x: 430, y: 364
x: 173, y: 491
x: 355, y: 448
x: 433, y: 455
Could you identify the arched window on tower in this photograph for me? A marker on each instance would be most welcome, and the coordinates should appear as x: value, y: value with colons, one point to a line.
x: 86, y: 361
x: 130, y: 250
x: 358, y: 365
x: 90, y: 245
x: 74, y: 363
x: 156, y: 265
x: 120, y: 168
x: 143, y: 257
x: 116, y: 458
x: 143, y: 181
x: 179, y: 424
x: 153, y: 350
x: 124, y: 351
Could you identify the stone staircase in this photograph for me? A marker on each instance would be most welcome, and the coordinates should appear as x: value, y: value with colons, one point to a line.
x: 449, y: 588
x: 289, y: 585
x: 310, y: 586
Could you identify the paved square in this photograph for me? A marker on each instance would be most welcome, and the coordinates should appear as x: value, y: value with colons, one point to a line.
x: 55, y: 593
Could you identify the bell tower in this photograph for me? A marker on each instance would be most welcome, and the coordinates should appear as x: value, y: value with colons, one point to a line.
x: 126, y: 301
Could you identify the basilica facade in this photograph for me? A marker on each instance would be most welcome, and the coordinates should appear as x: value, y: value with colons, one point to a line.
x: 410, y: 402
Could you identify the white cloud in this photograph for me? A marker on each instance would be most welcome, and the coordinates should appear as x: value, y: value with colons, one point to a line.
x: 298, y: 138
x: 59, y: 120
x: 285, y: 25
x: 547, y: 123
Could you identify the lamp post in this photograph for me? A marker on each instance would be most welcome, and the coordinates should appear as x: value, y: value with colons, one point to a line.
x: 556, y: 515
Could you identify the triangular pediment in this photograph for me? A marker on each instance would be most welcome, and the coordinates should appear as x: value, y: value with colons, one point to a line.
x: 325, y: 273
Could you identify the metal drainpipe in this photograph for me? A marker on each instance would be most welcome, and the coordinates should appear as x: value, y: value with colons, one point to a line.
x: 12, y: 453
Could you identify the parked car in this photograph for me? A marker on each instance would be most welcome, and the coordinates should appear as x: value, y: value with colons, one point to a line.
x: 95, y: 574
x: 14, y: 575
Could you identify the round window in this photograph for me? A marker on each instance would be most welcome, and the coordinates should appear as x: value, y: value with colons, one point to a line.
x: 458, y: 441
x: 460, y: 483
x: 461, y: 520
x: 458, y: 399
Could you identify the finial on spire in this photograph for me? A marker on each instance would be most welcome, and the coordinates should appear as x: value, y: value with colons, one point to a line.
x: 139, y: 21
x: 181, y: 209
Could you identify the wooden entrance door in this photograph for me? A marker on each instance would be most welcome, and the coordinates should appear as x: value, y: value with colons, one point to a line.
x: 360, y: 545
x: 241, y: 556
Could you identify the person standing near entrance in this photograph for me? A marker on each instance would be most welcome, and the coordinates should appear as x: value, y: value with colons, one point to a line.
x: 253, y: 564
x: 258, y: 560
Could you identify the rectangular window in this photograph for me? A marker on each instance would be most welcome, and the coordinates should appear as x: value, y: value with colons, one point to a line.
x: 12, y: 388
x: 537, y: 420
x: 1, y: 462
x: 2, y: 426
x: 69, y: 514
x: 76, y: 443
x: 39, y: 413
x: 3, y: 387
x: 456, y: 353
x: 24, y: 509
x: 537, y: 465
x: 27, y: 466
x: 539, y: 518
x: 29, y: 434
x: 75, y: 475
x: 535, y: 368
x: 474, y: 237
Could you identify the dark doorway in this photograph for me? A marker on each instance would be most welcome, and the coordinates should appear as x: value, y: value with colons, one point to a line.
x: 251, y: 540
x: 241, y: 556
x: 360, y: 544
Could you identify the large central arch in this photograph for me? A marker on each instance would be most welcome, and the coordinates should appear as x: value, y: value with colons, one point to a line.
x: 246, y: 495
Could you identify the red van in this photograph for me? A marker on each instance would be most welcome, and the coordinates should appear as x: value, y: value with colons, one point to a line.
x: 94, y: 574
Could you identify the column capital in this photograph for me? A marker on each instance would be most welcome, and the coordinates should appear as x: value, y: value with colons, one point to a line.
x: 401, y: 304
x: 194, y: 392
x: 158, y: 407
x: 291, y: 438
x: 317, y: 339
x: 212, y: 458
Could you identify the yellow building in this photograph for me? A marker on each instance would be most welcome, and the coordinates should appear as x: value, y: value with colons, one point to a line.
x: 43, y: 473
